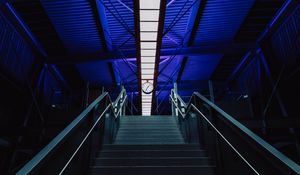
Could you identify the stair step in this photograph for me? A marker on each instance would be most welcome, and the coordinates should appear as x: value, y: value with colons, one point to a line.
x: 152, y: 116
x: 148, y: 129
x: 132, y: 131
x: 152, y: 153
x: 153, y: 135
x: 149, y: 147
x: 152, y: 170
x: 169, y: 120
x: 148, y: 141
x: 147, y: 138
x: 147, y: 124
x: 152, y: 161
x: 137, y: 119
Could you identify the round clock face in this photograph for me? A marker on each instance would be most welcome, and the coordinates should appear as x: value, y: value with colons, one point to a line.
x: 147, y: 87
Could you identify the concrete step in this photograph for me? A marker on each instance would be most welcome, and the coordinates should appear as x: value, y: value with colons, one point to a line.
x: 155, y: 147
x: 149, y: 129
x: 152, y: 170
x: 147, y: 119
x: 154, y: 135
x: 145, y: 137
x: 152, y: 153
x: 148, y: 124
x: 152, y: 161
x: 148, y: 141
x: 149, y: 132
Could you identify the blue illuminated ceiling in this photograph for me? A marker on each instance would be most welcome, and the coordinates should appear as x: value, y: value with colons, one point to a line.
x: 96, y: 72
x: 221, y: 20
x: 200, y: 68
x: 176, y: 31
x: 120, y: 20
x: 202, y: 38
x: 75, y: 24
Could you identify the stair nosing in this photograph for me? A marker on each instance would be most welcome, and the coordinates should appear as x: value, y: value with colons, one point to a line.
x: 128, y: 158
x: 182, y: 166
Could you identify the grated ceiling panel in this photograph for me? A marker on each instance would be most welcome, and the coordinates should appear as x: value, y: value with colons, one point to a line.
x: 75, y: 23
x: 120, y: 19
x: 221, y: 20
x: 180, y: 9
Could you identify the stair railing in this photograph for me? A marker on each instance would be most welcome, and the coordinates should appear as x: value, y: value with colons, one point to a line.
x: 233, y: 147
x: 70, y: 152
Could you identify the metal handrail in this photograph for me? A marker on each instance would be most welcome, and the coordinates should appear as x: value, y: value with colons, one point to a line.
x: 266, y: 146
x: 90, y: 131
x: 38, y: 158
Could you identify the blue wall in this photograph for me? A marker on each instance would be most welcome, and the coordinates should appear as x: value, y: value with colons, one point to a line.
x: 16, y: 58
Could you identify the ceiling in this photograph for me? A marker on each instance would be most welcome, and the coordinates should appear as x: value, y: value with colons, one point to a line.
x: 202, y: 39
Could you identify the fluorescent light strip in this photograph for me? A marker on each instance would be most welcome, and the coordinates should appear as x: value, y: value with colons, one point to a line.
x: 145, y: 76
x: 144, y: 81
x: 149, y: 17
x: 147, y: 59
x: 148, y: 45
x: 148, y: 71
x: 149, y: 4
x: 148, y: 36
x: 148, y: 53
x: 147, y: 66
x: 149, y: 26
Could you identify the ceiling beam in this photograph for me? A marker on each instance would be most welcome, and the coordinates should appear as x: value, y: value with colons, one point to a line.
x: 195, y: 19
x: 222, y: 48
x: 101, y: 23
x: 112, y: 73
x: 136, y: 7
x: 182, y: 66
x: 10, y: 14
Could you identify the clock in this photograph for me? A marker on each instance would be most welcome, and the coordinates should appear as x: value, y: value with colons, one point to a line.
x: 147, y: 87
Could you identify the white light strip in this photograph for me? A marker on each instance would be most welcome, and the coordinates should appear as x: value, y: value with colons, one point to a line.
x: 148, y: 36
x: 147, y: 4
x: 148, y: 53
x: 149, y: 17
x: 147, y: 26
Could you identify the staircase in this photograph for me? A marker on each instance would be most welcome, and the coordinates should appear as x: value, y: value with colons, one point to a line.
x: 151, y: 145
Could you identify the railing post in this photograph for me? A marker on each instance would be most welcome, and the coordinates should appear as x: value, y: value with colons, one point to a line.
x: 216, y: 141
x: 175, y: 99
x: 107, y: 129
x: 193, y: 128
x: 173, y: 105
x: 211, y: 91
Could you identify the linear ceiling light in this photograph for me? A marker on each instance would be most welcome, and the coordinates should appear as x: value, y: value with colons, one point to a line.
x: 148, y: 36
x: 149, y: 19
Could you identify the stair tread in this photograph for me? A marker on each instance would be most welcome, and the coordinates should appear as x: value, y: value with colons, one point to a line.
x: 153, y: 153
x: 151, y: 145
x: 150, y: 170
x: 156, y: 166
